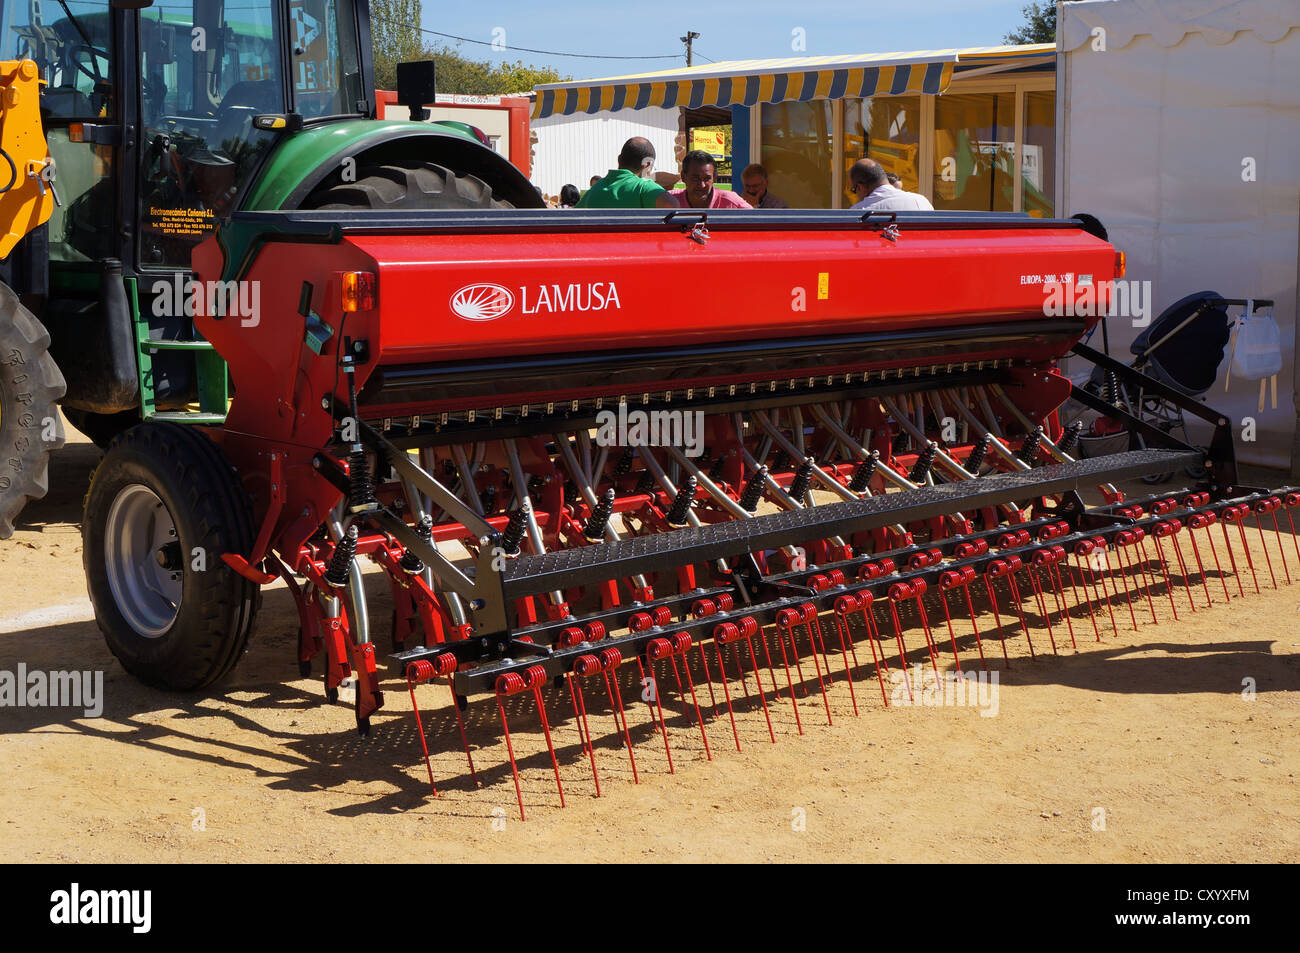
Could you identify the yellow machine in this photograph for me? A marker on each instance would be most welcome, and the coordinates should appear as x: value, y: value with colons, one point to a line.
x: 27, y: 197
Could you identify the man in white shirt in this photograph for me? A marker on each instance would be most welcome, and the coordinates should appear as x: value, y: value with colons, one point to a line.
x: 867, y: 181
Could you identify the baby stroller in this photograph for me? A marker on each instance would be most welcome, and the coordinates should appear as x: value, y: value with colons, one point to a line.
x: 1182, y: 349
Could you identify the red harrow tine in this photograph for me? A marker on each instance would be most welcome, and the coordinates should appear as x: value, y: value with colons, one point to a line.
x: 1204, y: 521
x: 1133, y: 537
x: 815, y: 639
x: 787, y: 621
x: 1159, y: 532
x: 915, y: 589
x: 426, y: 670
x: 584, y: 729
x: 748, y: 626
x: 967, y: 551
x: 1271, y: 505
x: 860, y: 602
x: 951, y: 579
x: 844, y: 605
x: 1083, y: 549
x: 726, y: 633
x: 512, y: 683
x: 669, y: 648
x: 1292, y: 500
x: 419, y: 672
x: 1237, y: 515
x: 999, y: 569
x: 605, y: 663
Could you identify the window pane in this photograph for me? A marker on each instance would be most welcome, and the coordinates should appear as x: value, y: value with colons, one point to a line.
x: 207, y: 69
x: 887, y: 129
x: 797, y: 152
x: 326, y: 74
x: 70, y: 45
x: 974, y: 151
x: 1038, y: 167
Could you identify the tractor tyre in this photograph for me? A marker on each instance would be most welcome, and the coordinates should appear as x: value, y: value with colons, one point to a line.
x: 30, y: 426
x: 163, y: 507
x: 408, y: 184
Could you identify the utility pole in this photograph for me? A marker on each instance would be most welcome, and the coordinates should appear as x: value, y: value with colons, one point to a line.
x: 690, y: 35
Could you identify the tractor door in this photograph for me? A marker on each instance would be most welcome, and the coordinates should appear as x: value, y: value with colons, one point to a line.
x: 208, y: 68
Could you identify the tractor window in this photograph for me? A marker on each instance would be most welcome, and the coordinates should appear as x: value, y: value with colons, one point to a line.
x: 326, y: 69
x: 70, y: 44
x: 208, y: 67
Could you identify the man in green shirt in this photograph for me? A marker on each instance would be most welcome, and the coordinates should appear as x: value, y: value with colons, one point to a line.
x: 631, y: 185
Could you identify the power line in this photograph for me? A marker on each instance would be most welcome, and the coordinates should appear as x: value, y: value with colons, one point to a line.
x: 520, y: 49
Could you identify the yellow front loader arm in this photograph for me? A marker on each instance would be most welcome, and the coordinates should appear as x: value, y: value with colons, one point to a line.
x: 26, y: 169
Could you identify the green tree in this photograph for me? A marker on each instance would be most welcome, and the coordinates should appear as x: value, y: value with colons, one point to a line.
x: 1039, y: 25
x: 397, y: 39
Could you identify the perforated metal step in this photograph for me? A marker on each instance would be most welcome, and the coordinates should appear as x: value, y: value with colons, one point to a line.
x: 530, y: 575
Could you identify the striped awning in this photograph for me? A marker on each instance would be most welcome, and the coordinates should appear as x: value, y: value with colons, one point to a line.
x: 748, y: 82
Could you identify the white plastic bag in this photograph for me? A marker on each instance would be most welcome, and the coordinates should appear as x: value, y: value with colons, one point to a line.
x: 1256, y: 351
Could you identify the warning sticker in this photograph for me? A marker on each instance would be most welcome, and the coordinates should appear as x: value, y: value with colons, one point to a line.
x: 181, y: 221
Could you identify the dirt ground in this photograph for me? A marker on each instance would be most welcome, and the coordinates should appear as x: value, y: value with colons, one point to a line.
x: 1143, y: 748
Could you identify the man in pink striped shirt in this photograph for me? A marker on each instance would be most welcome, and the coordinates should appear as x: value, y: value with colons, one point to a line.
x: 698, y: 170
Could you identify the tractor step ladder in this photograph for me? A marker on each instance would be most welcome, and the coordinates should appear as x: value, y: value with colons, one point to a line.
x: 210, y: 372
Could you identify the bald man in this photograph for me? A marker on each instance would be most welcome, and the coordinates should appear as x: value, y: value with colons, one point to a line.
x: 632, y: 184
x: 869, y: 182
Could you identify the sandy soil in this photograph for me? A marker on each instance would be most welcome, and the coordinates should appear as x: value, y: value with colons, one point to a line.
x: 1141, y: 748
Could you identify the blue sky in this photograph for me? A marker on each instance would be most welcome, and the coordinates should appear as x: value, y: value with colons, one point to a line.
x: 737, y: 30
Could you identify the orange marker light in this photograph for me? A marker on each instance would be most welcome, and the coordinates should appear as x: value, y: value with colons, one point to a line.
x: 359, y: 291
x: 76, y: 132
x: 1121, y: 264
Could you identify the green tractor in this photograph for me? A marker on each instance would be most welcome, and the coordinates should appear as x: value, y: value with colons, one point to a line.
x: 162, y: 117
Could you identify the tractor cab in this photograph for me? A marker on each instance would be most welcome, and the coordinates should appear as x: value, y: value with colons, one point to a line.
x: 164, y: 117
x: 182, y: 131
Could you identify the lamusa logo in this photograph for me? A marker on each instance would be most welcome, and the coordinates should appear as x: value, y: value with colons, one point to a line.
x: 486, y: 301
x: 73, y: 906
x: 37, y: 689
x: 652, y: 428
x: 482, y: 302
x: 221, y: 299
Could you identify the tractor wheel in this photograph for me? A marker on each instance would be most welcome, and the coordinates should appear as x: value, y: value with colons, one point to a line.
x: 30, y: 426
x: 163, y: 507
x: 408, y: 184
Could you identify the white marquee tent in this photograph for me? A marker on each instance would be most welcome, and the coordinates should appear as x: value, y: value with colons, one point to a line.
x: 1179, y: 127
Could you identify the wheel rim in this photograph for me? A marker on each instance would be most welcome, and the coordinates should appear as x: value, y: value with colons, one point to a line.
x: 142, y: 554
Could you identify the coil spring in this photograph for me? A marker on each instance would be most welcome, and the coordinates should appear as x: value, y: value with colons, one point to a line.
x: 682, y: 503
x: 488, y: 498
x: 865, y: 471
x: 780, y: 462
x: 715, y: 471
x: 336, y: 574
x: 921, y: 469
x: 802, y: 480
x: 361, y: 486
x: 424, y: 530
x: 513, y: 534
x: 600, y: 514
x: 646, y: 484
x: 1071, y: 437
x: 623, y: 466
x: 1032, y: 445
x: 753, y: 491
x: 975, y: 459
